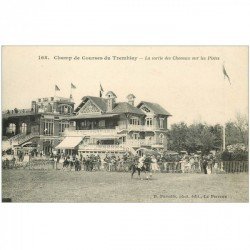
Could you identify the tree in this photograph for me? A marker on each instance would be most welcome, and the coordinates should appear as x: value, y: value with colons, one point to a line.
x: 196, y: 137
x: 237, y: 131
x: 178, y: 136
x: 200, y: 138
x: 217, y: 131
x: 242, y: 124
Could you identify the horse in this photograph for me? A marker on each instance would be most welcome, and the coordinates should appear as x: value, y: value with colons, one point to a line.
x: 66, y: 163
x: 89, y: 165
x: 145, y: 168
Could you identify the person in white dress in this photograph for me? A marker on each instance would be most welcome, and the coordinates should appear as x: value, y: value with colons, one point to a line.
x: 154, y: 164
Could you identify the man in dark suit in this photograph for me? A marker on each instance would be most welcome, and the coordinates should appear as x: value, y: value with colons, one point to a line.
x: 204, y: 164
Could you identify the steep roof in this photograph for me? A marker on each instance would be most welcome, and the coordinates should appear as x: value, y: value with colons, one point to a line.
x: 100, y: 102
x: 155, y: 107
x: 124, y: 107
x: 111, y: 93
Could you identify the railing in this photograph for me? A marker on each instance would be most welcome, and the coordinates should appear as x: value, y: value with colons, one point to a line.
x: 27, y: 137
x: 20, y: 138
x: 18, y: 112
x: 68, y: 132
x: 140, y: 142
x: 102, y: 147
x: 234, y: 166
x: 15, y: 138
x: 137, y: 127
x: 170, y: 167
x: 114, y: 131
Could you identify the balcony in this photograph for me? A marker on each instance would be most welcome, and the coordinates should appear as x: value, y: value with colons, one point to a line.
x: 68, y: 132
x: 138, y: 127
x: 140, y: 142
x: 17, y: 112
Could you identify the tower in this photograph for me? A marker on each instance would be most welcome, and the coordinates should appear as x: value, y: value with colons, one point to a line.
x: 131, y: 99
x: 111, y: 96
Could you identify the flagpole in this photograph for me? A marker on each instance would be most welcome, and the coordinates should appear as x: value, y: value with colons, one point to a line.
x: 224, y: 136
x: 225, y: 74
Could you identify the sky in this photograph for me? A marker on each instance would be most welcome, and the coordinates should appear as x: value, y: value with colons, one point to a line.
x: 190, y: 88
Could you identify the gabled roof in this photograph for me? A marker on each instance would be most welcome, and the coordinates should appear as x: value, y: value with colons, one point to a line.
x: 100, y: 102
x: 124, y: 107
x: 130, y: 96
x: 155, y: 107
x: 111, y: 93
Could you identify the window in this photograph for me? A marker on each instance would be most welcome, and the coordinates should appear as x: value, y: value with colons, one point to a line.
x: 12, y: 128
x: 145, y: 109
x: 65, y: 109
x: 149, y: 122
x: 134, y: 121
x: 136, y: 136
x: 161, y: 138
x: 48, y: 108
x: 84, y: 124
x: 102, y: 123
x: 48, y: 127
x: 63, y: 125
x: 161, y: 122
x: 23, y: 128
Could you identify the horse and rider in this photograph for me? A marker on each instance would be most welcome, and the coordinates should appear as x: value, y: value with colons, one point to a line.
x: 141, y: 164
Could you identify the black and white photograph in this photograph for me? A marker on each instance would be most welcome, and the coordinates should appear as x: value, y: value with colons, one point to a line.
x: 125, y: 124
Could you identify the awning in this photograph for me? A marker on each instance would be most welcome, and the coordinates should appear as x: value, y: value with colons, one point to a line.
x: 69, y: 143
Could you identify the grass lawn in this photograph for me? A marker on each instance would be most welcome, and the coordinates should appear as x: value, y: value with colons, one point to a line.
x: 64, y: 186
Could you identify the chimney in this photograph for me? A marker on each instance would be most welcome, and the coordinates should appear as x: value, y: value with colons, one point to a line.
x: 34, y: 106
x: 131, y: 99
x: 111, y: 100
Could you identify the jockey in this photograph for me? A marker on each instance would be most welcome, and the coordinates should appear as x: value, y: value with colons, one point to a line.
x: 141, y: 161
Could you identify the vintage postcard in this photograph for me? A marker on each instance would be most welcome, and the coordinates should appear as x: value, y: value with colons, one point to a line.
x: 125, y: 124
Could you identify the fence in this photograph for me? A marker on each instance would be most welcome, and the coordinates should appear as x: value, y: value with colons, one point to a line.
x: 32, y: 164
x: 235, y: 166
x: 170, y: 167
x: 165, y: 167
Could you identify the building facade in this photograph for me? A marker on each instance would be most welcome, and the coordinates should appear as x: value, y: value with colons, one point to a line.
x: 103, y: 125
x: 97, y: 125
x: 38, y: 128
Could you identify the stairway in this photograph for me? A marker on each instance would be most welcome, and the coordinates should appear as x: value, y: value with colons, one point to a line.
x: 22, y: 138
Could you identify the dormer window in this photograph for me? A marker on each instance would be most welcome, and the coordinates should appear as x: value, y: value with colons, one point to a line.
x: 146, y: 109
x: 161, y: 122
x: 65, y: 109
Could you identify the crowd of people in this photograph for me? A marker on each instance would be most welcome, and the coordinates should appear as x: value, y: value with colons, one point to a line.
x: 121, y: 163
